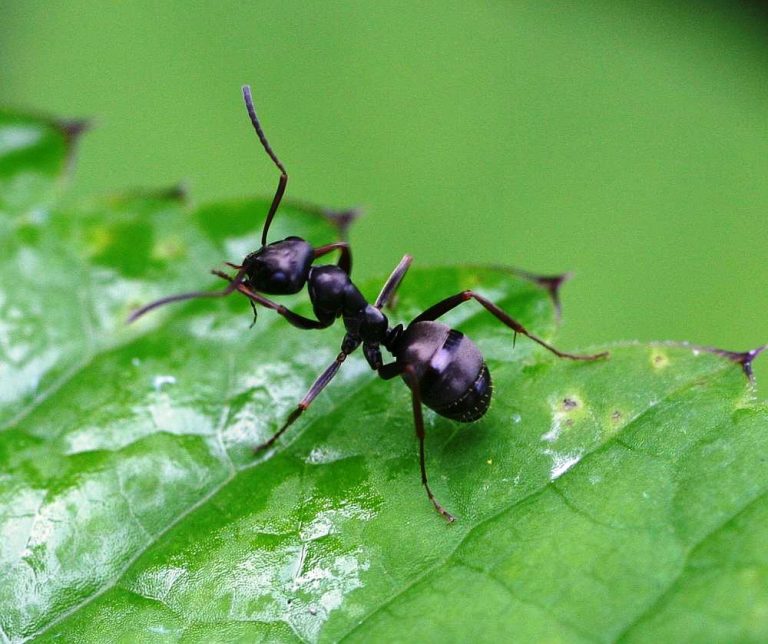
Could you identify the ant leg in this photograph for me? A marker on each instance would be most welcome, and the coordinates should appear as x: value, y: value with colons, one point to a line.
x: 255, y: 313
x: 393, y: 282
x: 319, y: 384
x: 441, y: 308
x: 389, y: 371
x: 234, y: 283
x: 345, y: 259
x: 418, y: 420
x: 299, y: 321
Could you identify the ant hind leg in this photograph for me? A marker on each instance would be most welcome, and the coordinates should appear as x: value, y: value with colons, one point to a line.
x: 449, y: 303
x: 389, y: 290
x: 418, y: 420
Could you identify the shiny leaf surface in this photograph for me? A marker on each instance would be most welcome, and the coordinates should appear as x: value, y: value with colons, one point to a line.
x: 596, y: 501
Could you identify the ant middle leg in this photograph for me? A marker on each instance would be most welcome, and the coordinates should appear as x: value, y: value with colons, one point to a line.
x: 321, y: 383
x: 449, y: 303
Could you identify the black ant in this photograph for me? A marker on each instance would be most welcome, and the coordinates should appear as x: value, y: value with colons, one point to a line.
x: 442, y: 367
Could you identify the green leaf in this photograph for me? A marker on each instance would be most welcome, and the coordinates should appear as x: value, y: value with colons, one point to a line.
x: 624, y: 499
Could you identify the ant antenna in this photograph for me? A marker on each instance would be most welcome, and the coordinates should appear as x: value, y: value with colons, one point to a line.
x: 283, y: 174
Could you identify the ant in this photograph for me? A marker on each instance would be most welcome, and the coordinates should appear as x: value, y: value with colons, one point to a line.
x: 442, y: 367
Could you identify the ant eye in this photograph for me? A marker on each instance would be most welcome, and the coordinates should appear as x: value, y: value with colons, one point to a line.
x: 254, y: 266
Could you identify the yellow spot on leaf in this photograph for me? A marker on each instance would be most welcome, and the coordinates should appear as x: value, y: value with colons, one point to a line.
x: 169, y: 248
x: 659, y: 359
x: 97, y: 240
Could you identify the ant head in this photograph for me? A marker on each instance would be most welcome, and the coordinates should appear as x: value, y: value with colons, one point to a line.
x: 279, y: 268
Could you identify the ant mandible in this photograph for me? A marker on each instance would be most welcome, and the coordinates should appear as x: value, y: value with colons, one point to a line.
x: 442, y: 367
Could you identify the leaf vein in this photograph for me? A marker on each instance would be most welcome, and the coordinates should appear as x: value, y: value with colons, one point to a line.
x: 684, y: 565
x: 533, y: 493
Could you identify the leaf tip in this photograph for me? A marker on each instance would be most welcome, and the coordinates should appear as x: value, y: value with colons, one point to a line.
x: 72, y: 129
x: 342, y: 219
x: 176, y: 192
x: 550, y: 283
x: 743, y: 358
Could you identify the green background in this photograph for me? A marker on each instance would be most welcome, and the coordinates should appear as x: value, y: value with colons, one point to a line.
x: 626, y: 146
x: 626, y: 142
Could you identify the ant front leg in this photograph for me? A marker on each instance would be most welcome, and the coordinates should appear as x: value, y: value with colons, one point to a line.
x: 299, y: 321
x: 255, y: 313
x: 449, y: 303
x: 347, y: 347
x: 345, y: 258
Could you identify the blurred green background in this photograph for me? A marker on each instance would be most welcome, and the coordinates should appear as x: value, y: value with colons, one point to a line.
x: 627, y: 142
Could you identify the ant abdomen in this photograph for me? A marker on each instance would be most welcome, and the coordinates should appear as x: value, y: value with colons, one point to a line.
x: 453, y: 378
x: 475, y: 401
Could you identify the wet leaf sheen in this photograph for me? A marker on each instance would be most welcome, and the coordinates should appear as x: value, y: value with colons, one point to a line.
x: 616, y: 500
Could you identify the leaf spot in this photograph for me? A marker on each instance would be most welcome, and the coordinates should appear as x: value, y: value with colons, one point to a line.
x: 169, y: 248
x: 659, y: 359
x: 98, y: 240
x: 569, y: 403
x: 562, y: 416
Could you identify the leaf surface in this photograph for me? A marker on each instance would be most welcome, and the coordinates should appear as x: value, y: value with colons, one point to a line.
x: 624, y: 499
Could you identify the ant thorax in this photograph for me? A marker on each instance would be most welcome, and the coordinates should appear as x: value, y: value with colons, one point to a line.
x: 368, y: 324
